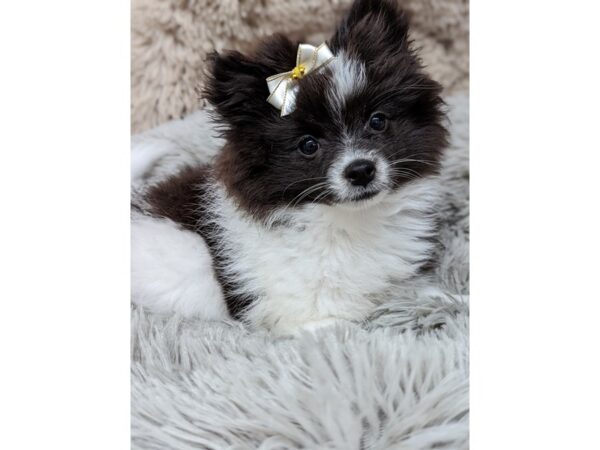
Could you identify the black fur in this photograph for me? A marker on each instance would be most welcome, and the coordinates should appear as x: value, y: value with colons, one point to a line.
x: 260, y: 164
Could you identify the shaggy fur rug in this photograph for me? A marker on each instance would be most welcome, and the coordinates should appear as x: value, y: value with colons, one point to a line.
x: 397, y: 381
x: 170, y: 40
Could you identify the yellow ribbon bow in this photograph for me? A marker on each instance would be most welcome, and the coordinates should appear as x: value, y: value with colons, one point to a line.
x: 283, y: 87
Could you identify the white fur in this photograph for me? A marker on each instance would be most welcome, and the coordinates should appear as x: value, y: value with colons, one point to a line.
x: 171, y: 270
x: 327, y: 261
x: 349, y: 77
x: 345, y: 190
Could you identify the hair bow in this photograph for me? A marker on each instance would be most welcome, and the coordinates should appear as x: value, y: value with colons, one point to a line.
x: 283, y: 87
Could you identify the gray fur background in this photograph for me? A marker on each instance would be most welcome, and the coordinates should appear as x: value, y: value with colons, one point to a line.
x: 397, y: 381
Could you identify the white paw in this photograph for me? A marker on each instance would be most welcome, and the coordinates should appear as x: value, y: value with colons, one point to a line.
x: 171, y: 271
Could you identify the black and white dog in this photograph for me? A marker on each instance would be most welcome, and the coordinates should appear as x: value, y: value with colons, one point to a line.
x: 310, y: 217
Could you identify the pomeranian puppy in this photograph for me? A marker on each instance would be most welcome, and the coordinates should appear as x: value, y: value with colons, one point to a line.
x: 322, y: 200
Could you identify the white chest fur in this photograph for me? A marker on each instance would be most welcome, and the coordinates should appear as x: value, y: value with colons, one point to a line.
x: 328, y: 262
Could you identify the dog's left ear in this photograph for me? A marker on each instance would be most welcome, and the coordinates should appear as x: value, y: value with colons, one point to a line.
x: 373, y: 30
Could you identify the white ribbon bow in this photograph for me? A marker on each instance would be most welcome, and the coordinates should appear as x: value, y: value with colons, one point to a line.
x: 284, y: 87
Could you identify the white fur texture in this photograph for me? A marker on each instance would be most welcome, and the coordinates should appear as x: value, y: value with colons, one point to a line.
x: 171, y: 270
x: 402, y: 384
x: 339, y: 183
x: 349, y: 77
x: 327, y: 261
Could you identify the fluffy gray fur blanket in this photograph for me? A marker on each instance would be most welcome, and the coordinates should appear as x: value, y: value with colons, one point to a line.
x: 397, y: 381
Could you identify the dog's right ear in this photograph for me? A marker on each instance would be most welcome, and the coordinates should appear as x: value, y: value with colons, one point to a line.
x: 237, y: 86
x: 373, y: 30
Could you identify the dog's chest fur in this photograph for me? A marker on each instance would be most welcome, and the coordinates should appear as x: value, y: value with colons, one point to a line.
x: 320, y: 261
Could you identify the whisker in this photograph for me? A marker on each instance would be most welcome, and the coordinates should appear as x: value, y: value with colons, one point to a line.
x: 424, y: 161
x: 407, y: 175
x: 300, y: 181
x: 407, y: 157
x: 401, y: 170
x: 322, y: 195
x: 306, y: 193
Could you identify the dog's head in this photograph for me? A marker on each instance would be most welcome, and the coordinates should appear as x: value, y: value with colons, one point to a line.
x: 363, y: 125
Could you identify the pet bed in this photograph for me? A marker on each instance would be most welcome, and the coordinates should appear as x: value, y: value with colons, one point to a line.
x: 398, y: 381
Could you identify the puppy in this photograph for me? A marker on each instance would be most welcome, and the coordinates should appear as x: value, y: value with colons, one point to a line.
x: 314, y: 210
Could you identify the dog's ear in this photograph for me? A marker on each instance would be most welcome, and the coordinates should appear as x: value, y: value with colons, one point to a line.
x: 236, y: 84
x: 372, y: 30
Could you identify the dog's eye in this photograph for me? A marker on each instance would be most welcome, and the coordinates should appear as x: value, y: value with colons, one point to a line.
x: 377, y: 122
x: 308, y: 146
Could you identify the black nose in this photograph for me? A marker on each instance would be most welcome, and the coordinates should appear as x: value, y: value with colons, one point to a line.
x: 360, y: 172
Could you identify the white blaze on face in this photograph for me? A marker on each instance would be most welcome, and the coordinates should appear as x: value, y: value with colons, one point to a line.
x: 349, y: 76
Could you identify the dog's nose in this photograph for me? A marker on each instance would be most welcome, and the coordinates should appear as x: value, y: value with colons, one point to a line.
x: 360, y: 172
